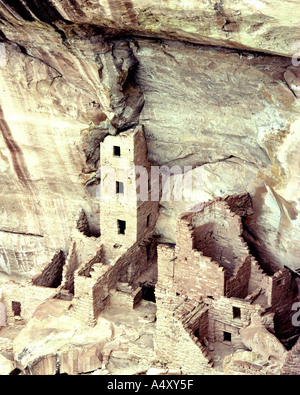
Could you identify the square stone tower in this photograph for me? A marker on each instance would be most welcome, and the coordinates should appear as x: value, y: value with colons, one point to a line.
x: 127, y: 214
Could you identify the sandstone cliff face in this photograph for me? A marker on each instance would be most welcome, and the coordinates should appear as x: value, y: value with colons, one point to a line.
x: 267, y: 26
x: 73, y: 72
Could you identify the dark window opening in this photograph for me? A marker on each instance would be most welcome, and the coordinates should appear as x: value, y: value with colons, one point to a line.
x: 227, y: 337
x: 236, y: 312
x: 148, y: 293
x: 121, y: 227
x: 119, y: 187
x: 117, y: 150
x: 148, y: 220
x: 211, y: 297
x: 16, y: 308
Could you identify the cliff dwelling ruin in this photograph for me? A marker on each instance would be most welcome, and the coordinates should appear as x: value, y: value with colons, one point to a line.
x: 126, y: 302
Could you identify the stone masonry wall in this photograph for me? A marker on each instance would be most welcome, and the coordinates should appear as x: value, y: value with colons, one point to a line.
x: 292, y: 363
x: 178, y: 320
x: 194, y: 274
x: 51, y: 275
x: 94, y: 280
x: 237, y: 286
x: 258, y: 278
x: 217, y: 233
x: 223, y: 319
x: 130, y: 205
x: 166, y: 303
x: 69, y: 268
x: 27, y: 295
x: 283, y: 293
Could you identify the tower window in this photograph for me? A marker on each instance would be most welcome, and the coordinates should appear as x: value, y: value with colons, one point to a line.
x: 119, y: 187
x: 236, y: 312
x: 148, y: 293
x: 148, y: 220
x: 117, y: 150
x: 121, y: 227
x: 16, y: 308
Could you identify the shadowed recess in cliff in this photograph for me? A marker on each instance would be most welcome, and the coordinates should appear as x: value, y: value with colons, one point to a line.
x: 18, y: 7
x: 44, y: 10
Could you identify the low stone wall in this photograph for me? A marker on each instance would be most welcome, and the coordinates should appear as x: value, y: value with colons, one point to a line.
x: 26, y: 297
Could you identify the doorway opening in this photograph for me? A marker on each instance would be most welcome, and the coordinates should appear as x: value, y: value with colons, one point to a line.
x: 227, y: 337
x: 16, y: 308
x: 148, y: 293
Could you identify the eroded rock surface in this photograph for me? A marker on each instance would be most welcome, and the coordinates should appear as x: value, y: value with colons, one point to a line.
x: 216, y: 89
x: 257, y: 25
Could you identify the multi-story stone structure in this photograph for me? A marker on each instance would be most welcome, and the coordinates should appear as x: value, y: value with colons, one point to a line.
x: 209, y: 288
x: 127, y: 221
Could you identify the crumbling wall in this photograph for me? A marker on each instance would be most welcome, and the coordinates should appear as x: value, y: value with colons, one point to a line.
x: 125, y: 296
x: 126, y: 268
x: 85, y: 269
x: 217, y: 234
x: 189, y: 354
x: 282, y: 294
x: 94, y: 280
x: 70, y: 267
x: 85, y: 279
x: 198, y: 276
x: 258, y: 278
x: 195, y: 275
x: 83, y: 224
x: 237, y: 286
x: 166, y: 302
x: 27, y: 296
x: 292, y: 363
x: 180, y: 322
x: 51, y: 275
x: 230, y: 315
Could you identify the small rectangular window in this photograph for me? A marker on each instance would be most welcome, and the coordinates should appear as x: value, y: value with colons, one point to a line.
x: 119, y: 187
x: 121, y: 227
x: 148, y: 220
x: 16, y: 308
x: 227, y: 337
x: 236, y: 312
x: 117, y: 150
